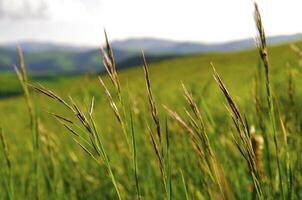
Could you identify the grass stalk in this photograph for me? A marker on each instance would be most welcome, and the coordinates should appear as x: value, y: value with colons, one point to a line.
x: 9, y: 177
x: 135, y: 159
x: 263, y: 52
x: 110, y: 65
x: 184, y: 185
x: 242, y: 139
x: 158, y: 140
x: 89, y: 125
x: 168, y: 163
x: 23, y: 79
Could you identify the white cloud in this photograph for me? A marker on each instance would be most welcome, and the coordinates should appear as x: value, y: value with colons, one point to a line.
x: 202, y: 20
x: 67, y: 10
x: 58, y: 10
x: 23, y: 9
x: 82, y: 21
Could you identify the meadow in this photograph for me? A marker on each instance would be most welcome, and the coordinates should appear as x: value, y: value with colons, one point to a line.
x: 204, y: 126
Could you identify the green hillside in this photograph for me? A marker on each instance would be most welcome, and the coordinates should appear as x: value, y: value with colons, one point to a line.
x: 236, y: 67
x: 65, y: 171
x: 70, y: 62
x: 53, y: 61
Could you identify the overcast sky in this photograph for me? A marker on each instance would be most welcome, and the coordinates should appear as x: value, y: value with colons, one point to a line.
x: 82, y: 21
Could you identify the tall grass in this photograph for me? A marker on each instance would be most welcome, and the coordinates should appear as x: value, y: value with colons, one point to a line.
x: 92, y: 144
x: 34, y: 125
x: 8, y: 177
x: 263, y: 52
x: 182, y: 150
x: 243, y: 139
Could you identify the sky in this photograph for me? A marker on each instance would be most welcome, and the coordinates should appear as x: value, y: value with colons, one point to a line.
x: 81, y: 22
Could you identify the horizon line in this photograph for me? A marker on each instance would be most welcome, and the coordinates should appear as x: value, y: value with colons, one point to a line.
x: 42, y: 41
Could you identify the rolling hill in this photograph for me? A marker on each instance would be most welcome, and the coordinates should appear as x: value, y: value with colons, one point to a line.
x: 168, y: 69
x: 58, y: 61
x: 62, y: 58
x: 68, y: 62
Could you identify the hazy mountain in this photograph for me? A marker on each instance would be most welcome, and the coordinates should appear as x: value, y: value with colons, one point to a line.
x: 152, y: 45
x: 57, y: 58
x: 71, y: 62
x: 160, y: 46
x: 35, y: 47
x: 59, y: 61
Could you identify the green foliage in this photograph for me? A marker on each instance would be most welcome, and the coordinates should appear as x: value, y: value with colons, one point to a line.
x: 68, y: 172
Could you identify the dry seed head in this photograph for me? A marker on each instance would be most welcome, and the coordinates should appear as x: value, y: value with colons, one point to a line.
x: 61, y: 118
x: 176, y: 116
x: 243, y: 137
x: 111, y: 102
x: 258, y: 146
x: 262, y: 49
x: 157, y: 151
x: 51, y: 95
x: 71, y: 130
x: 191, y: 102
x: 109, y: 62
x: 194, y: 139
x: 227, y: 95
x: 82, y: 118
x: 153, y: 108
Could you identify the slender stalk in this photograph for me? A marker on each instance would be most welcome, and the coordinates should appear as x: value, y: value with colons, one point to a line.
x: 151, y: 101
x: 10, y: 184
x: 157, y: 140
x: 184, y: 185
x: 22, y: 76
x: 263, y: 52
x: 89, y: 125
x: 135, y: 158
x: 168, y: 165
x: 243, y: 137
x: 110, y: 65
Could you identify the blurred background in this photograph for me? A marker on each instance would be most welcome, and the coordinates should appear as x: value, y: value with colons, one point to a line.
x: 64, y: 36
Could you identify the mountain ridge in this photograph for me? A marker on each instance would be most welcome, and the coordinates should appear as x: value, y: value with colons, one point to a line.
x: 159, y: 46
x: 153, y: 45
x: 68, y: 59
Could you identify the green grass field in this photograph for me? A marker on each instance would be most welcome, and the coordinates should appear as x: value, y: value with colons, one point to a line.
x: 159, y: 141
x: 65, y: 171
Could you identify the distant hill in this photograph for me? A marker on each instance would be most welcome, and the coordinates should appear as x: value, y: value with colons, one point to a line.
x: 58, y: 58
x: 59, y: 61
x: 71, y: 62
x: 160, y: 46
x: 38, y: 47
